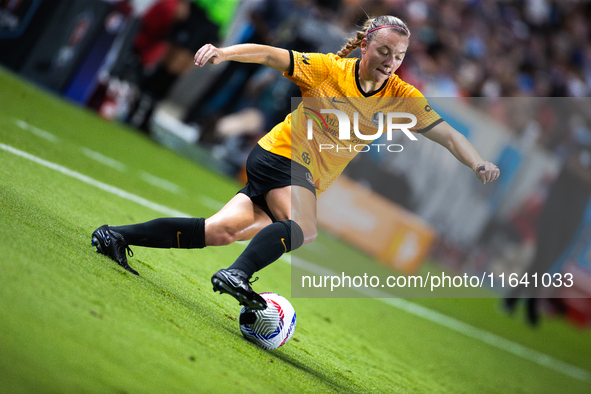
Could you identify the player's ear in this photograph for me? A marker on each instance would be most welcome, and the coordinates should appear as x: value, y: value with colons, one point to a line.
x: 363, y: 46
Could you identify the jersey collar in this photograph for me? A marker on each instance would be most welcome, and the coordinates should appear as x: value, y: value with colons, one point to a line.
x: 359, y: 85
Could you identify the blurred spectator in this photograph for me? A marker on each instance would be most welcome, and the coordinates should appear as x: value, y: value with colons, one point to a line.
x: 171, y: 31
x: 267, y: 20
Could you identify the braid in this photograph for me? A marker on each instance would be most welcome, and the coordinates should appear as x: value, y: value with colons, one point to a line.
x: 355, y: 42
x: 372, y: 23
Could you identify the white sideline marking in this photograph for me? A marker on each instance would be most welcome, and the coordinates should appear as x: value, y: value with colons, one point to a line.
x: 36, y: 131
x: 407, y: 306
x: 458, y: 326
x: 489, y: 338
x: 161, y: 183
x: 88, y: 180
x: 106, y: 160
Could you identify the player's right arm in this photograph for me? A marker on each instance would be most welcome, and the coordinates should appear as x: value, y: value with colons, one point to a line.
x: 269, y: 56
x: 462, y: 149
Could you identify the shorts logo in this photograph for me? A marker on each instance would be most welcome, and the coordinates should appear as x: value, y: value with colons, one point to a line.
x: 309, y: 178
x: 306, y: 59
x: 427, y: 108
x: 306, y: 157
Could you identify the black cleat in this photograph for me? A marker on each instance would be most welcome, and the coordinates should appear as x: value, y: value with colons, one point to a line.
x: 235, y: 282
x: 112, y: 245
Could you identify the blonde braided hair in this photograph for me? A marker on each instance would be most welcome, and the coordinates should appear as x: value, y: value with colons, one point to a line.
x: 372, y: 23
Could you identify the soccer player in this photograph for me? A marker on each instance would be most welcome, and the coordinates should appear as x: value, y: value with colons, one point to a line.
x: 276, y: 210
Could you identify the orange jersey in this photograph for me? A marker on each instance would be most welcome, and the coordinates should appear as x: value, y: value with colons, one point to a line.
x: 328, y: 82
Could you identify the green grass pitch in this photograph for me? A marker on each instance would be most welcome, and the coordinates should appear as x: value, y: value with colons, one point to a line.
x: 72, y: 321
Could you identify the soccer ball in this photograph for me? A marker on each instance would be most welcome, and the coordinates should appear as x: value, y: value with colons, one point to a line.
x: 272, y: 327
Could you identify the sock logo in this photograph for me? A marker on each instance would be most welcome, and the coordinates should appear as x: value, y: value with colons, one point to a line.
x: 283, y: 242
x: 178, y: 240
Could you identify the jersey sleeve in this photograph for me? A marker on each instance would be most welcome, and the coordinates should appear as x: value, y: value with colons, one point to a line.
x: 308, y: 70
x: 416, y: 104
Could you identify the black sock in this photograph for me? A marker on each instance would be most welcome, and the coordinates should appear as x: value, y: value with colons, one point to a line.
x: 268, y: 245
x: 186, y: 233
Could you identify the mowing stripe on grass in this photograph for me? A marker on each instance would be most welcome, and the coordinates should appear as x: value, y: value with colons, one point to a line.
x: 117, y: 165
x: 161, y: 183
x: 36, y: 131
x: 412, y: 308
x: 90, y: 181
x: 106, y: 160
x: 211, y: 203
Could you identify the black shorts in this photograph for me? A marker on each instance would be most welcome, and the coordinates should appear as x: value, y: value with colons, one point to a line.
x: 266, y: 171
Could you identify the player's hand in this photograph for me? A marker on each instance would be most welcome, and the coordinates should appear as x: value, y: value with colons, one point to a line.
x: 487, y: 172
x: 208, y: 53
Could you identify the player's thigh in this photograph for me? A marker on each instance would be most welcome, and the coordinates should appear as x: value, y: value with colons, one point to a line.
x: 239, y: 220
x: 295, y: 203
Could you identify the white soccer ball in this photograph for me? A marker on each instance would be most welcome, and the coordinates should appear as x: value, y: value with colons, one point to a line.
x: 271, y: 327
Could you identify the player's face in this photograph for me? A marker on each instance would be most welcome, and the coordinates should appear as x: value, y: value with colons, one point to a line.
x: 383, y: 55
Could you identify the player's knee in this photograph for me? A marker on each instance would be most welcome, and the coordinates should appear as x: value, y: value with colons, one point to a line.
x: 310, y: 235
x: 221, y: 239
x: 226, y: 238
x: 219, y: 236
x: 310, y: 232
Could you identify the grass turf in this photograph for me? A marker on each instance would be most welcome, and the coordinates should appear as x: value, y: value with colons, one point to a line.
x: 73, y: 321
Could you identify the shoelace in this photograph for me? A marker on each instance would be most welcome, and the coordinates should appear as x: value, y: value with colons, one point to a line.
x: 250, y: 282
x: 123, y: 246
x: 126, y: 248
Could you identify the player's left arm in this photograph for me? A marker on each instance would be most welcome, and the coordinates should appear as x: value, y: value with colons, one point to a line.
x: 462, y: 149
